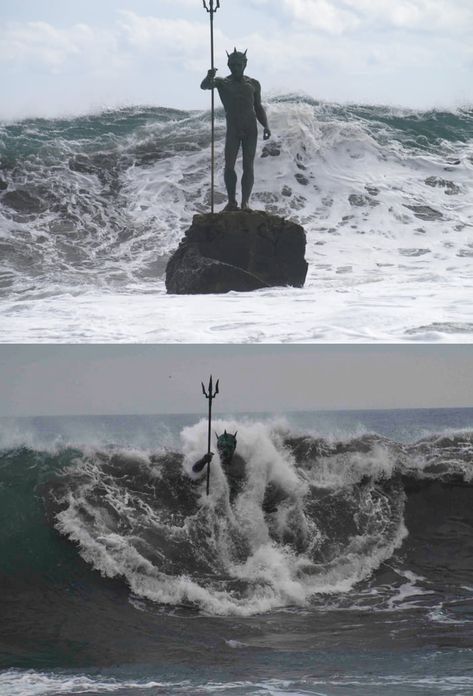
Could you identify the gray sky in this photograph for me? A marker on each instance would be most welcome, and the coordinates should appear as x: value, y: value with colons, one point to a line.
x: 60, y: 56
x: 89, y: 380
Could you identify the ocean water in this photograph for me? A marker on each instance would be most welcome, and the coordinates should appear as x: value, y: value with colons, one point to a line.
x: 92, y: 207
x: 119, y: 575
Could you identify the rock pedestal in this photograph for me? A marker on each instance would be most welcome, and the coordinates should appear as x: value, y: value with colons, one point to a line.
x: 239, y: 251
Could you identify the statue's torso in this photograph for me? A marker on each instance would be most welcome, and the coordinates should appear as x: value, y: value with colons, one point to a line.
x: 238, y: 99
x: 236, y: 475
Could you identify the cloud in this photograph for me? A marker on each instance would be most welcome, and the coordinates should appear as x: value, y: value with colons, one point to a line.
x: 132, y: 38
x: 40, y: 45
x: 323, y: 15
x: 423, y: 15
x: 340, y: 16
x: 171, y: 38
x: 410, y: 52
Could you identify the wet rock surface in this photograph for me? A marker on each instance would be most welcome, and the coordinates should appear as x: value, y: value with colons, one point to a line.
x: 360, y: 200
x: 271, y: 149
x: 451, y: 189
x: 23, y: 202
x: 240, y: 251
x: 425, y: 212
x: 443, y: 327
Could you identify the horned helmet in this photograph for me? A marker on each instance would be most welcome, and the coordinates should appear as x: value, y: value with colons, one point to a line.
x: 237, y: 56
x: 226, y: 445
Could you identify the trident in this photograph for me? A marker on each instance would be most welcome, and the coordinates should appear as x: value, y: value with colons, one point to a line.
x: 210, y: 395
x: 212, y: 8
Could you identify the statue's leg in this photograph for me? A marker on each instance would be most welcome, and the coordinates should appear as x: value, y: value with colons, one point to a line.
x: 232, y: 145
x: 248, y: 178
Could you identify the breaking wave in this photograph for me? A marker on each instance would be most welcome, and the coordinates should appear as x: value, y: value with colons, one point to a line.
x: 101, y: 201
x: 346, y: 525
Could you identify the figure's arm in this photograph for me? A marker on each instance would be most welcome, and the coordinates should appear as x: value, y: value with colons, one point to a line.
x: 273, y: 496
x: 260, y: 112
x: 206, y: 459
x: 210, y: 80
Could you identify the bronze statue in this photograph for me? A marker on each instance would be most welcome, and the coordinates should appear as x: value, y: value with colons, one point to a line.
x: 241, y: 99
x: 234, y: 468
x: 233, y: 465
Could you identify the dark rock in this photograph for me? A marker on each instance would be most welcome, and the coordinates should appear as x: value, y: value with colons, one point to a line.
x: 435, y: 181
x: 190, y: 273
x: 451, y: 189
x: 425, y: 212
x: 82, y: 164
x: 372, y: 190
x: 286, y: 191
x: 298, y: 203
x: 3, y: 185
x: 443, y: 327
x: 271, y: 150
x: 414, y: 252
x: 301, y: 179
x: 265, y: 197
x: 219, y: 198
x: 359, y: 200
x: 239, y: 251
x: 23, y: 202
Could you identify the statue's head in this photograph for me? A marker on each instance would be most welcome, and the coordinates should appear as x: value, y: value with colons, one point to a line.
x: 226, y: 446
x: 237, y: 62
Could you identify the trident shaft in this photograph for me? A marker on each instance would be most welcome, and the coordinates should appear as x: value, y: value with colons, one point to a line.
x: 212, y: 8
x: 210, y: 395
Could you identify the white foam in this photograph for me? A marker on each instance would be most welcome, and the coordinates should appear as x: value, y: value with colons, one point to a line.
x: 275, y: 573
x: 348, y: 468
x: 377, y: 273
x: 406, y: 592
x: 30, y: 683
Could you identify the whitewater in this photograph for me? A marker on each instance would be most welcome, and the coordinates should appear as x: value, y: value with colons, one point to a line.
x: 92, y: 207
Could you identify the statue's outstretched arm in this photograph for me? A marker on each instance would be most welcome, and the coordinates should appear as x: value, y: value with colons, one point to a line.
x: 210, y: 80
x: 206, y: 459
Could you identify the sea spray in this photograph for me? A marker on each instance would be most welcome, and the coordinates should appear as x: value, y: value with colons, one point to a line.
x: 139, y: 516
x: 91, y: 208
x: 116, y: 507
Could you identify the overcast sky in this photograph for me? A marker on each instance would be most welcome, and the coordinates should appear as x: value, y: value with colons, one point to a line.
x: 100, y: 380
x: 60, y: 56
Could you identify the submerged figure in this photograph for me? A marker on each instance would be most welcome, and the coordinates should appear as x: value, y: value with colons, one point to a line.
x: 241, y: 99
x: 234, y: 468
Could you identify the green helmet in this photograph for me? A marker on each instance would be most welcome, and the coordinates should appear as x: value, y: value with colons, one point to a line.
x: 237, y: 56
x: 226, y: 445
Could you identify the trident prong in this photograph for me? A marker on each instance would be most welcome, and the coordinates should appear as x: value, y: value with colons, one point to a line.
x: 211, y: 9
x: 210, y: 393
